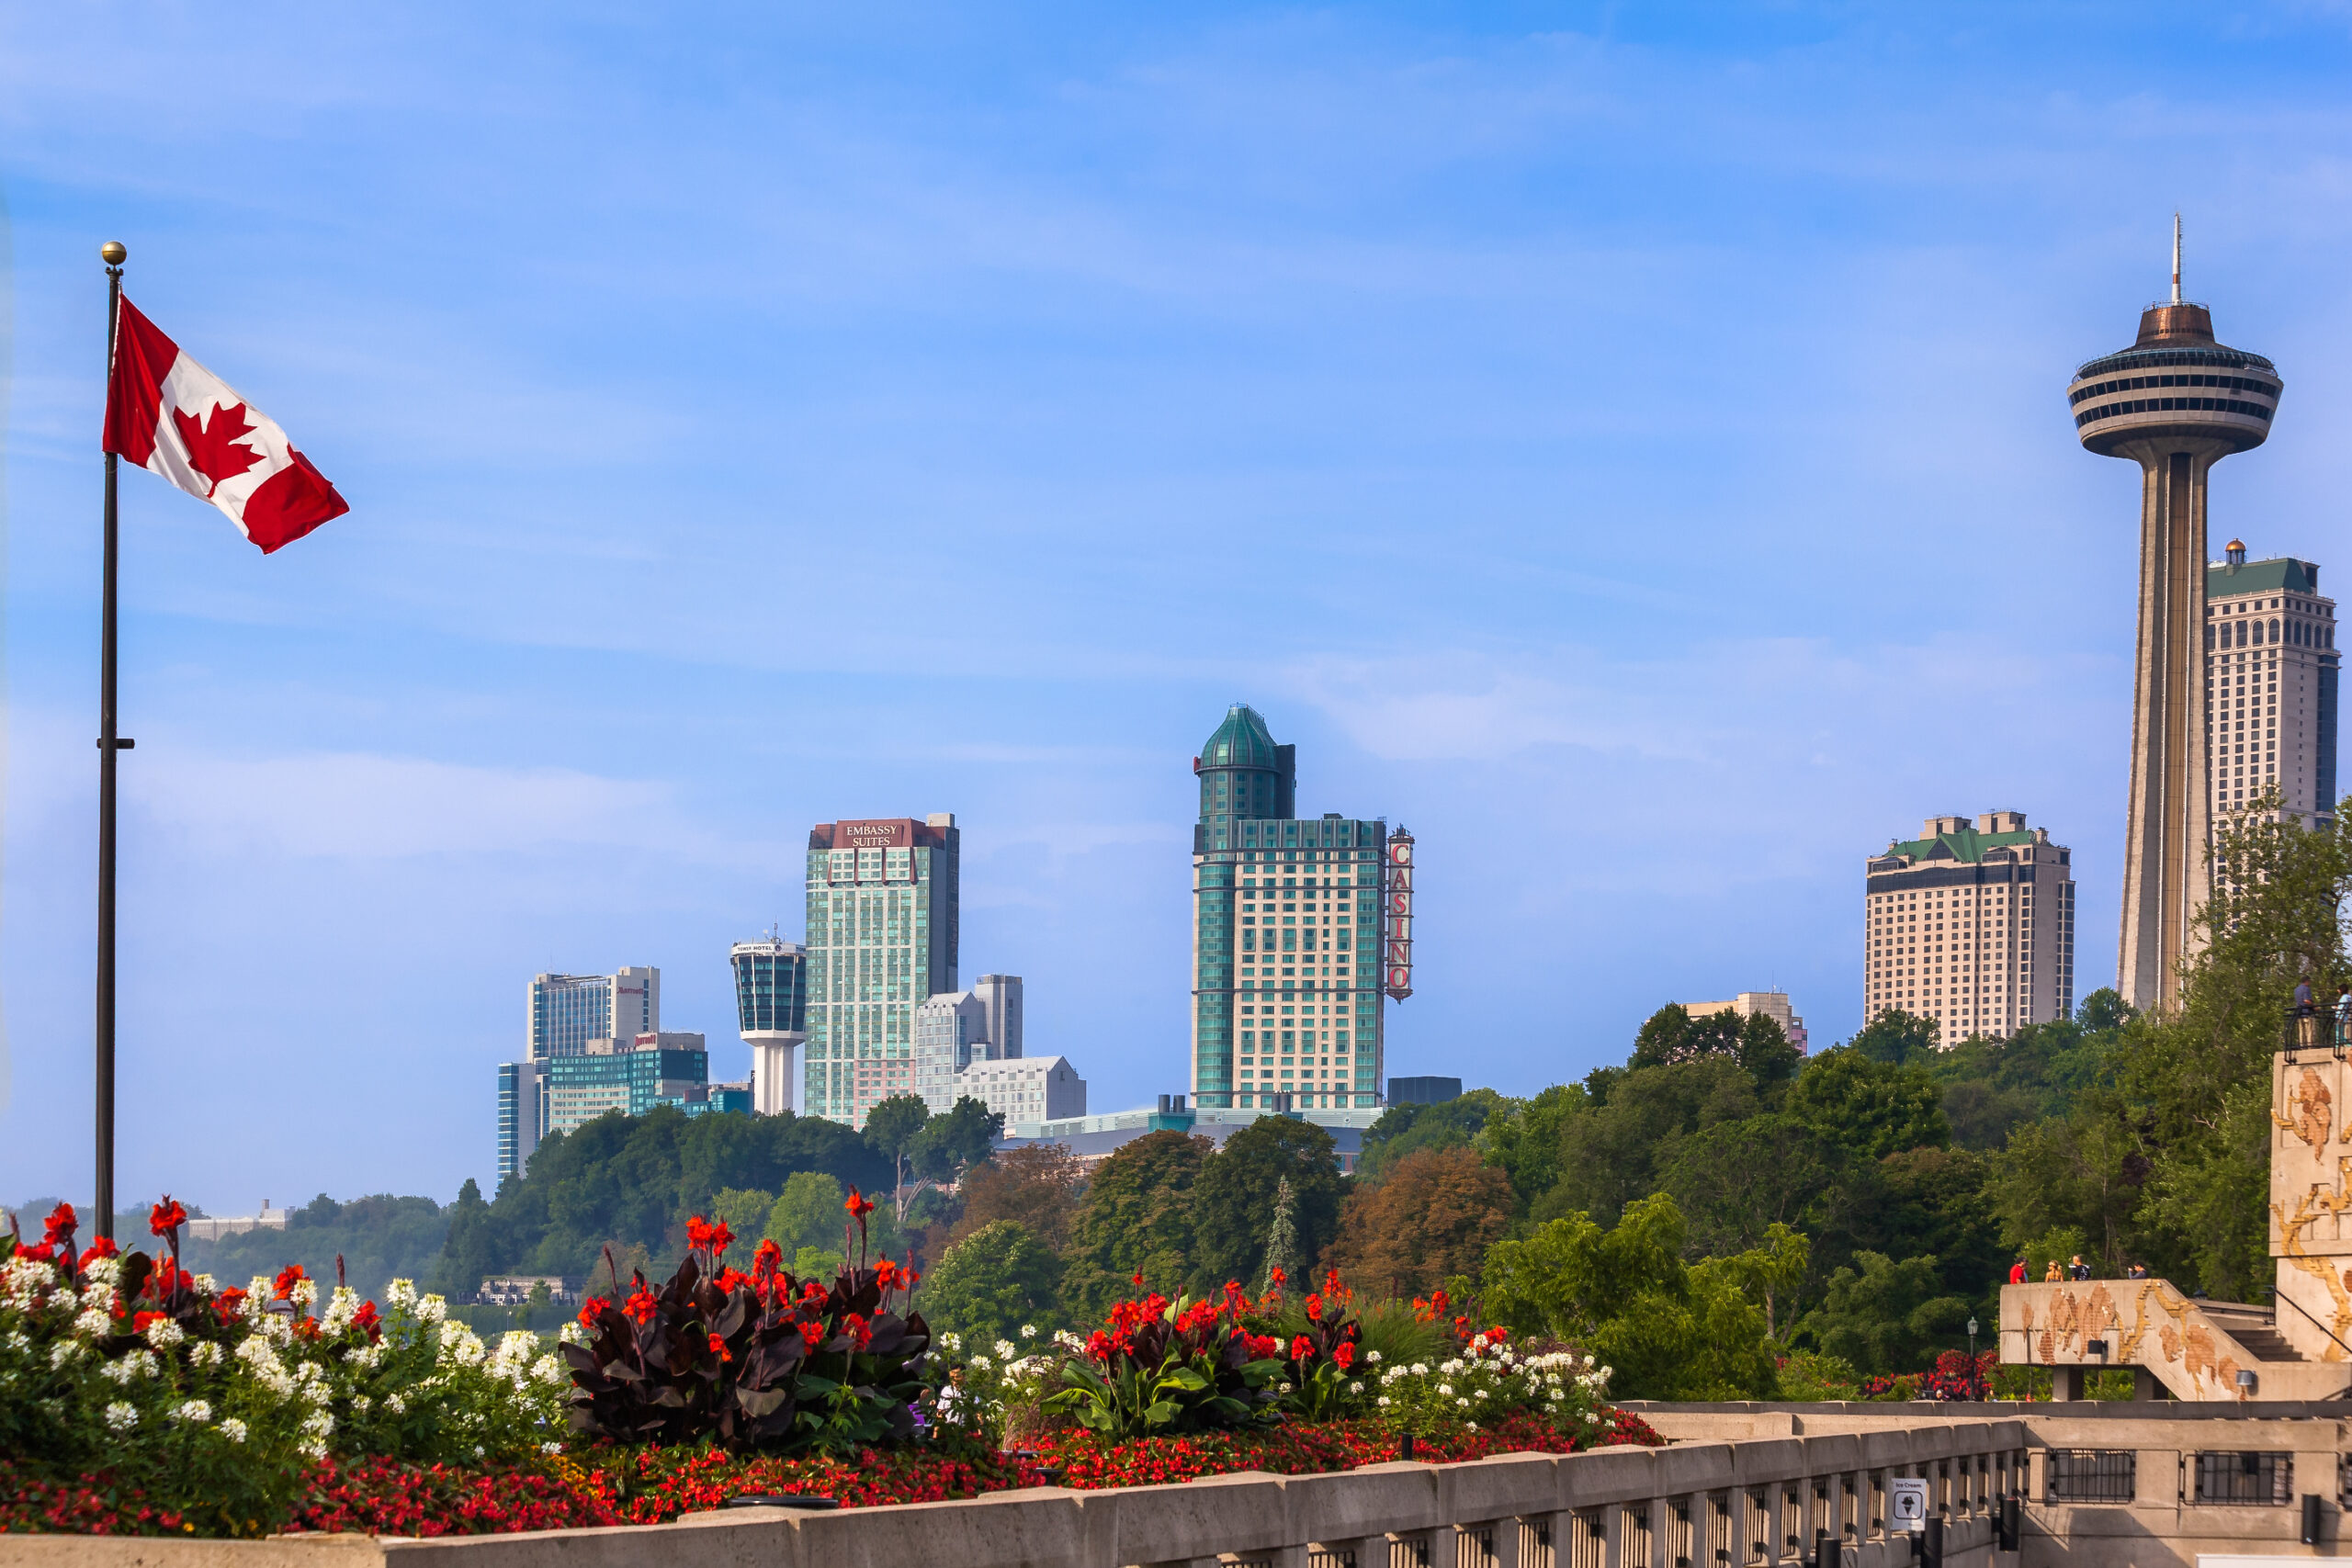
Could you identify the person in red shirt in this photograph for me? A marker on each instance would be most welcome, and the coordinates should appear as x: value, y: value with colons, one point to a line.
x: 2017, y: 1272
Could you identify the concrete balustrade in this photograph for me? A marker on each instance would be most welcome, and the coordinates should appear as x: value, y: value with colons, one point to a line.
x: 1751, y: 1503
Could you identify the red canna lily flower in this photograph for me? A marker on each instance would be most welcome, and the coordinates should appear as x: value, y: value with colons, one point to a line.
x: 718, y: 1348
x: 720, y: 1238
x: 812, y: 1334
x: 884, y: 1272
x: 1315, y: 1308
x: 140, y: 1321
x: 1300, y: 1350
x: 286, y: 1278
x: 227, y: 1303
x: 767, y: 1258
x: 1276, y: 1278
x: 729, y: 1280
x: 641, y: 1306
x: 59, y: 1224
x: 588, y: 1311
x: 167, y: 1216
x: 102, y: 1248
x: 858, y: 1204
x: 1344, y: 1354
x: 697, y: 1233
x: 369, y: 1321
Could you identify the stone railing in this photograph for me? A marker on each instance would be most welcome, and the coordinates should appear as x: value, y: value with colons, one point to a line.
x: 1705, y: 1505
x: 2197, y: 1348
x: 2120, y: 1484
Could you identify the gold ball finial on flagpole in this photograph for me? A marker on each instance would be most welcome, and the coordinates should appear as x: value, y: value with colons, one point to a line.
x: 112, y: 253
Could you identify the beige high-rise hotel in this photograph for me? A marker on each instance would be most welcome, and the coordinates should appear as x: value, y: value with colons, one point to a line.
x: 2271, y: 672
x: 1972, y: 925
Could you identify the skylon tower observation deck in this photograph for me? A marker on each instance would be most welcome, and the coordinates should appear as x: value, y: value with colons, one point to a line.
x: 2177, y: 401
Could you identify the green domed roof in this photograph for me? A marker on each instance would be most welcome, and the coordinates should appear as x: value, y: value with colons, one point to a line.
x: 1241, y: 741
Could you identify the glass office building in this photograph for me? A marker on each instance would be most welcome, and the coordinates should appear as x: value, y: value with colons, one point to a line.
x: 1286, y: 925
x: 581, y: 1089
x: 882, y: 940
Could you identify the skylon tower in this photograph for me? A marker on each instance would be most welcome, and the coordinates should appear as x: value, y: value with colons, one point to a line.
x: 2177, y: 401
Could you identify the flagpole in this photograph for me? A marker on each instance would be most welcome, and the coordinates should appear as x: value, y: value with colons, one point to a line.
x: 112, y: 253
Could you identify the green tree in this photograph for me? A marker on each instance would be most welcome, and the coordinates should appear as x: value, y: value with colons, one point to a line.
x: 991, y: 1284
x: 635, y: 1181
x: 1895, y: 1038
x: 1522, y: 1139
x: 1403, y: 1129
x: 1885, y: 1317
x: 1735, y: 1181
x: 1137, y: 1219
x: 2198, y: 1079
x: 1872, y: 1107
x: 1671, y: 1329
x: 744, y: 1211
x: 949, y: 1145
x: 808, y: 1212
x: 1234, y: 1201
x: 1610, y: 1154
x: 892, y: 1124
x: 1281, y: 1236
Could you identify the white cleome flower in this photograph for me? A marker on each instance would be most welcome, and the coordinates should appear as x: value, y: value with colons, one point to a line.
x: 361, y: 1403
x: 1372, y: 1355
x: 121, y: 1417
x: 94, y: 1321
x: 1028, y: 1331
x: 163, y: 1334
x: 573, y: 1334
x: 400, y: 1293
x: 550, y: 1369
x: 233, y: 1429
x: 1006, y: 1350
x: 432, y: 1309
x: 318, y: 1424
x: 395, y: 1404
x: 195, y: 1411
x: 1355, y: 1388
x: 1384, y: 1401
x: 66, y: 1350
x: 304, y: 1294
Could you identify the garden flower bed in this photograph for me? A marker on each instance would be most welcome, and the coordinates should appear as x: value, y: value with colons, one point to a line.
x: 136, y: 1399
x: 654, y: 1486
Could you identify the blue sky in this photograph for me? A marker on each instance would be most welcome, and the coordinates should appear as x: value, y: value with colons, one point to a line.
x: 1625, y: 444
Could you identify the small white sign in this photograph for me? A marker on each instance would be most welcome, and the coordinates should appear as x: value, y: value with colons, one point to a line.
x: 1906, y: 1502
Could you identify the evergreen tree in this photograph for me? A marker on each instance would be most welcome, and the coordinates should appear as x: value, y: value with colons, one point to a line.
x: 1281, y: 1237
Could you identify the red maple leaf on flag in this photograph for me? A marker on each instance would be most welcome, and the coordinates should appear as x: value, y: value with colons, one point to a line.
x: 217, y: 448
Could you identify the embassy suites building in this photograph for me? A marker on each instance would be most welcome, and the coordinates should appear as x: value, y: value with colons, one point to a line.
x: 883, y: 901
x: 1286, y: 935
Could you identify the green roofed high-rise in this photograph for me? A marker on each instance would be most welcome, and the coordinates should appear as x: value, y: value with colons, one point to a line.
x: 1287, y: 935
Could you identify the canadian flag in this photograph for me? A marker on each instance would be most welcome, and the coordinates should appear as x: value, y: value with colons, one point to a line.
x: 172, y: 416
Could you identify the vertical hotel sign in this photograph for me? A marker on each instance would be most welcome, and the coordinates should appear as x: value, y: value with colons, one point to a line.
x: 1396, y: 918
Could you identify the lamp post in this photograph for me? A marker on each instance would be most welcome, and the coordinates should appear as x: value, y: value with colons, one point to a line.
x: 1975, y: 1380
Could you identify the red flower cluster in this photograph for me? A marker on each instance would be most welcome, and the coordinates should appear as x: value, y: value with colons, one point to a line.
x: 704, y: 1237
x: 167, y: 1216
x: 858, y: 1204
x: 287, y: 1278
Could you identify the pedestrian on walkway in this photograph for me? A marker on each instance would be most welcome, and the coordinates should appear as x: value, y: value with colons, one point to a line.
x: 2076, y: 1268
x: 2017, y: 1271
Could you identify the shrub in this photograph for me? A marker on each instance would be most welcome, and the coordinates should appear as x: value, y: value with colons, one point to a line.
x: 1180, y: 1366
x: 215, y: 1403
x: 1489, y: 1380
x: 756, y: 1361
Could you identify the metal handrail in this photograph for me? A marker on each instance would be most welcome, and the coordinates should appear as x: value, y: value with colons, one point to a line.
x: 2282, y: 1296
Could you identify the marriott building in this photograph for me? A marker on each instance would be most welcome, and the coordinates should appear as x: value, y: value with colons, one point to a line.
x: 1971, y: 926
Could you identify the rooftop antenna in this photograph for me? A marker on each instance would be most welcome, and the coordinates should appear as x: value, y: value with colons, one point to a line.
x: 2175, y: 256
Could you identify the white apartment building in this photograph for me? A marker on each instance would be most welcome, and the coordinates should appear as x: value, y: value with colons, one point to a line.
x: 2272, y: 670
x: 1971, y: 926
x: 882, y: 939
x: 1025, y: 1088
x: 1773, y: 1005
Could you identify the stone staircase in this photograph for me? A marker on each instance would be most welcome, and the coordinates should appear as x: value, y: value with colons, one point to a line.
x: 2196, y: 1349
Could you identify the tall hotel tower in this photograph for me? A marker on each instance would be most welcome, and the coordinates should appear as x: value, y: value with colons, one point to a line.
x: 1289, y: 922
x: 2272, y: 670
x: 2175, y: 402
x: 882, y: 933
